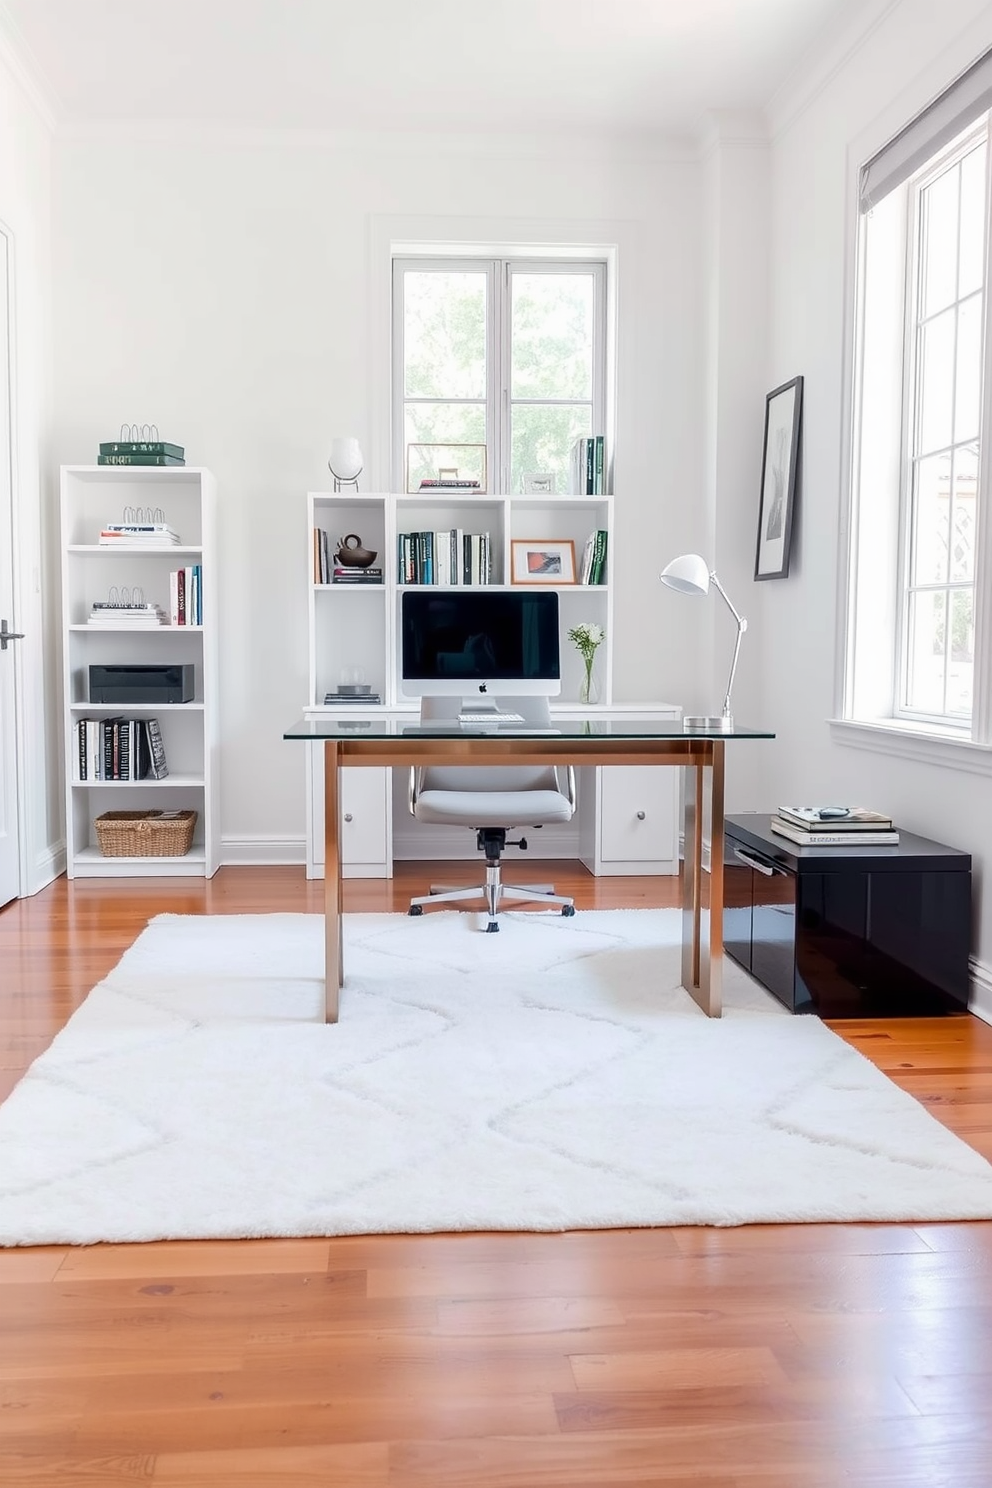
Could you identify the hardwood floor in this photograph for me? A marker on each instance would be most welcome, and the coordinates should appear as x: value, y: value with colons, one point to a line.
x: 787, y: 1356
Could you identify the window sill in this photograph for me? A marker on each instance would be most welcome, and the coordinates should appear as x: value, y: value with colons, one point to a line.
x: 905, y: 742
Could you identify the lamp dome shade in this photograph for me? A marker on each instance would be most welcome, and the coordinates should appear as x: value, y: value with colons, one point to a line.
x: 688, y: 574
x: 346, y: 457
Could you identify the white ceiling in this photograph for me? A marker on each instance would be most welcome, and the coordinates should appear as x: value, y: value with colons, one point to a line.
x: 456, y: 65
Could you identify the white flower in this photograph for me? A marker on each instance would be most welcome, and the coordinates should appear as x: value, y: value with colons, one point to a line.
x: 587, y: 636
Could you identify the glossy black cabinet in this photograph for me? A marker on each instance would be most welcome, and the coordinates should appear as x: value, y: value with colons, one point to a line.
x: 849, y: 932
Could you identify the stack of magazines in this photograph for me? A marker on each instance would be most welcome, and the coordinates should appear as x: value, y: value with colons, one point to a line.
x: 114, y: 616
x: 834, y: 826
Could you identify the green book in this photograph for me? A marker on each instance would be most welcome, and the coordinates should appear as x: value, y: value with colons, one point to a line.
x: 143, y: 447
x: 139, y: 460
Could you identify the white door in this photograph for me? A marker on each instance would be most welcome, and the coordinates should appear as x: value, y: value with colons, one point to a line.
x: 9, y: 850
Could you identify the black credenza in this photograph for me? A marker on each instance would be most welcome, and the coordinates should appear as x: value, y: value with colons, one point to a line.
x: 849, y: 932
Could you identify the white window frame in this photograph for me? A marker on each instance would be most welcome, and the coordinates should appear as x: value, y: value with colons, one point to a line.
x: 499, y: 270
x: 869, y: 717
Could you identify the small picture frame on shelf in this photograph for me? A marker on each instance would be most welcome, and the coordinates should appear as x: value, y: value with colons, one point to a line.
x: 542, y: 560
x: 454, y: 469
x: 538, y: 483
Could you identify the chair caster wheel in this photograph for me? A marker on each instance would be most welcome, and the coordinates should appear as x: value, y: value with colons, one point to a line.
x: 416, y: 909
x: 492, y: 927
x: 568, y: 911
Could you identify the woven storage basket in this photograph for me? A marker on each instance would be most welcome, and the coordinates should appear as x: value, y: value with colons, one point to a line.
x: 145, y: 834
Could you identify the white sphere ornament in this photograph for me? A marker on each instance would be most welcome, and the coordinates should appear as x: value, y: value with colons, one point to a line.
x: 345, y: 461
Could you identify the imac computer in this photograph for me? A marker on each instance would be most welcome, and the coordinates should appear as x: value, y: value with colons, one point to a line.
x: 478, y: 645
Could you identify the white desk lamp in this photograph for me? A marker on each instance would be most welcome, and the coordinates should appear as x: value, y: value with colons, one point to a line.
x: 690, y: 575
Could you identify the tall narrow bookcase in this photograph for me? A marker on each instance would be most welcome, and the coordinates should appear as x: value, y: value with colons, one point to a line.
x: 91, y: 497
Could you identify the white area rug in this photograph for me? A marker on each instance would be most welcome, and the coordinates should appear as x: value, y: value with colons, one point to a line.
x: 552, y: 1077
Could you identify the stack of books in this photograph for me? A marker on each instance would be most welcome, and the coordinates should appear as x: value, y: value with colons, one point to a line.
x: 141, y: 452
x: 362, y: 699
x: 119, y: 616
x: 346, y: 574
x: 834, y: 826
x: 138, y: 535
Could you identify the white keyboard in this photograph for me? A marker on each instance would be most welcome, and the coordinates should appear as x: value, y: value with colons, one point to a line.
x: 490, y: 717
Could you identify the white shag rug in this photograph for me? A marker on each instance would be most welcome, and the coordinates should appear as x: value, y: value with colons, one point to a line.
x: 555, y: 1076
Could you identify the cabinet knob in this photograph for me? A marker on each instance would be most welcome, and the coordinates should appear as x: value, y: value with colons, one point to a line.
x: 348, y: 816
x: 641, y: 815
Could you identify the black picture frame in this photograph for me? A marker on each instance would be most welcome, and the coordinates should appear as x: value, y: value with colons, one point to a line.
x: 779, y: 478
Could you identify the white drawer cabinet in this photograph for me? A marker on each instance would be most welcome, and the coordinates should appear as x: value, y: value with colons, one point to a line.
x: 636, y: 820
x: 366, y: 820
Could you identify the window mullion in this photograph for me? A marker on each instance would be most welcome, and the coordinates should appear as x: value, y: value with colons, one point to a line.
x: 499, y: 381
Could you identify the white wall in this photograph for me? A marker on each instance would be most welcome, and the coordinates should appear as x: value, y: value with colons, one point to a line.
x: 917, y: 48
x: 224, y: 286
x: 25, y: 191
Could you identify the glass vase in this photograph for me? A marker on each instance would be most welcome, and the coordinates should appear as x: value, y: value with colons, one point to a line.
x: 589, y: 685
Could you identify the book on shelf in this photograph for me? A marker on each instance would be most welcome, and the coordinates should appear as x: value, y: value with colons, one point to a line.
x: 588, y: 466
x: 143, y: 447
x: 804, y: 838
x: 362, y: 699
x: 431, y: 484
x: 826, y: 819
x: 157, y: 765
x: 139, y: 460
x: 446, y: 558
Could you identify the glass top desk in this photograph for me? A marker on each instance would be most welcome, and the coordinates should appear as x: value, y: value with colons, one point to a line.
x: 398, y: 739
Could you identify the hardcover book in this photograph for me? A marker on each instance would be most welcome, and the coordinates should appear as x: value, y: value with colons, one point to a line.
x: 835, y: 818
x: 143, y: 447
x: 140, y: 460
x: 864, y: 838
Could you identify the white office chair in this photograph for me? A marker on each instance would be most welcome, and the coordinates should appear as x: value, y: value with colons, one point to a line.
x: 492, y: 799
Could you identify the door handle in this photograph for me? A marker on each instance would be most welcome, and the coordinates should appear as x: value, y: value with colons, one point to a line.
x: 8, y: 635
x: 755, y: 862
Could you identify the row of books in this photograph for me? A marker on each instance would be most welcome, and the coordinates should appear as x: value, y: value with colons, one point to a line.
x: 186, y: 595
x: 141, y: 452
x: 588, y: 466
x: 138, y: 535
x: 592, y: 569
x: 449, y: 557
x: 834, y: 826
x: 119, y: 749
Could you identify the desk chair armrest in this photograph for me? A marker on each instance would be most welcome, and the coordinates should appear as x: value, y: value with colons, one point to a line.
x: 569, y: 791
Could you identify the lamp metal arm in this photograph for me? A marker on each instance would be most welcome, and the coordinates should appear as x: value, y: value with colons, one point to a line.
x: 741, y: 628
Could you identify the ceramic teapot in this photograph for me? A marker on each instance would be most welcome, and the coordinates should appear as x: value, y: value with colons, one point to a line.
x: 351, y: 554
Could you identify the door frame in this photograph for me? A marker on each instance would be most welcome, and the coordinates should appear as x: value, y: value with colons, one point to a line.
x: 9, y: 527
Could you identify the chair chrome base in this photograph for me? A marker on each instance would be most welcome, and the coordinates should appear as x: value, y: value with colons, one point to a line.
x: 494, y: 891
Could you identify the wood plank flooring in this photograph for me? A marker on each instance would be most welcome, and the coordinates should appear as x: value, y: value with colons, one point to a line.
x: 784, y: 1356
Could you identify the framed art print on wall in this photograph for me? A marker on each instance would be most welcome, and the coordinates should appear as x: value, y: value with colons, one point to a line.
x: 779, y: 475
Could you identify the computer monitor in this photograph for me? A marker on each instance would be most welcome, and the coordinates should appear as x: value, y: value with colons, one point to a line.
x: 477, y: 644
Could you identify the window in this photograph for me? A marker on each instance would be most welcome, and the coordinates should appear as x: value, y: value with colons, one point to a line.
x: 506, y: 353
x: 919, y: 656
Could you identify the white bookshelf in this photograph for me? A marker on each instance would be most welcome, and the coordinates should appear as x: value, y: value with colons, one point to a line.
x: 357, y: 624
x: 91, y: 495
x: 627, y: 819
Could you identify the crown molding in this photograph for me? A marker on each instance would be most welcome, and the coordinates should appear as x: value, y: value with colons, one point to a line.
x: 17, y: 57
x: 823, y: 61
x: 723, y: 129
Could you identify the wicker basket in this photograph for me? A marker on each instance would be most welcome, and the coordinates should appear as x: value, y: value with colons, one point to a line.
x: 145, y: 834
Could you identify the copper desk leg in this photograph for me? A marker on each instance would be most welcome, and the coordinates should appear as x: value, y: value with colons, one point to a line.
x: 333, y: 948
x: 702, y: 890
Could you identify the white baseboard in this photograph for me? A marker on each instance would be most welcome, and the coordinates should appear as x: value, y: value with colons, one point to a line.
x: 46, y: 868
x: 262, y: 850
x: 980, y: 1002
